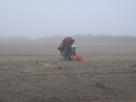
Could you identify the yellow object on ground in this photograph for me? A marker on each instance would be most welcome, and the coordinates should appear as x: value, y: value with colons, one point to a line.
x: 49, y: 65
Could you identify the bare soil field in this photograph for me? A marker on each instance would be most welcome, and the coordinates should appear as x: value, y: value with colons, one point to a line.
x: 101, y: 78
x: 33, y: 71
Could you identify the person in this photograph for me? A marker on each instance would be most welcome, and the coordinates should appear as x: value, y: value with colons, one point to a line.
x: 74, y: 50
x: 65, y: 47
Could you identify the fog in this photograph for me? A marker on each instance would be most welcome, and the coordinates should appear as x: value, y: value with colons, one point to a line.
x: 36, y: 27
x: 42, y: 18
x: 85, y: 45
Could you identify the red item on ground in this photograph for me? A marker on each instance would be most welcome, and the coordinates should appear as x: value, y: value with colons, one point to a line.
x: 78, y: 58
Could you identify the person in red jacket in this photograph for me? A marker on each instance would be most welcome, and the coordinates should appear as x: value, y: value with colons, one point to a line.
x: 66, y: 47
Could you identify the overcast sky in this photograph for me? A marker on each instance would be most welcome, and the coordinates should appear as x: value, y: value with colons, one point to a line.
x: 37, y: 18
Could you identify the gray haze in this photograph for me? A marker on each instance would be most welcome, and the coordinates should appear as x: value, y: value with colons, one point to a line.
x: 39, y: 18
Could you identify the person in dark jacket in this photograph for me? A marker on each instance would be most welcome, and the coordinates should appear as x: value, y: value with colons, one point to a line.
x: 66, y: 47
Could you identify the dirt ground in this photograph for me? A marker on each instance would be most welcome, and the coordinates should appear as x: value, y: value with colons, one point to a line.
x: 101, y: 78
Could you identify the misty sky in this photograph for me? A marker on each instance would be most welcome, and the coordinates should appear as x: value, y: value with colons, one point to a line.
x: 37, y: 18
